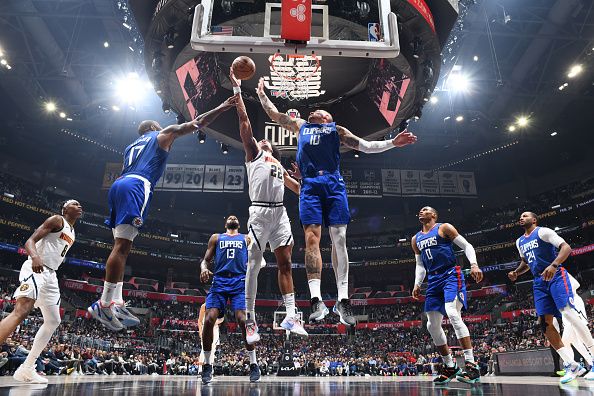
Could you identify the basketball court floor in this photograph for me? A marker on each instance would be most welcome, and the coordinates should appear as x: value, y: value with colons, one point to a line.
x: 277, y: 386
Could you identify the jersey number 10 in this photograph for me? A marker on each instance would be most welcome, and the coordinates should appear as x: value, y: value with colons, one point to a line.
x: 314, y: 140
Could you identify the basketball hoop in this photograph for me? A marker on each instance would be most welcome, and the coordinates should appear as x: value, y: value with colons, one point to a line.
x: 294, y: 76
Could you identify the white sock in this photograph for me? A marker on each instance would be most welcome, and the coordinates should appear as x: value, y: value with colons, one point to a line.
x: 108, y: 293
x: 289, y: 300
x: 51, y: 321
x: 117, y: 298
x: 314, y: 288
x: 207, y: 357
x: 468, y: 355
x: 253, y: 357
x: 447, y: 360
x: 566, y: 354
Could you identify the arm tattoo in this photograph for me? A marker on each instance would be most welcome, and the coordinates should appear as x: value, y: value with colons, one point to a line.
x: 286, y: 121
x: 312, y: 256
x: 350, y: 140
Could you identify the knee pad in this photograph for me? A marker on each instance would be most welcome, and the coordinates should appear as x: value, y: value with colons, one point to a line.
x: 434, y: 328
x: 453, y: 312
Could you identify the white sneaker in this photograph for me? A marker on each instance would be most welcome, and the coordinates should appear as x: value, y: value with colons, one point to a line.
x: 28, y: 375
x: 105, y: 315
x: 125, y: 316
x: 251, y: 332
x: 590, y: 375
x: 294, y: 325
x: 572, y: 371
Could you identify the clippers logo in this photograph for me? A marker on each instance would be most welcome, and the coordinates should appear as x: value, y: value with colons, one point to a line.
x: 137, y: 222
x: 298, y: 12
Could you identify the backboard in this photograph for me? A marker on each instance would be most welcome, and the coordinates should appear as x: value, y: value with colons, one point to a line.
x: 347, y: 28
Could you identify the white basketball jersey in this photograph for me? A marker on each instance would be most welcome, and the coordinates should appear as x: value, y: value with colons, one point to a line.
x: 266, y: 178
x: 53, y: 247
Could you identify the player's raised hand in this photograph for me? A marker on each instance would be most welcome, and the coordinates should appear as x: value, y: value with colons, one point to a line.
x: 404, y: 138
x: 549, y: 272
x: 476, y: 273
x: 416, y: 292
x: 294, y: 172
x: 513, y: 275
x: 37, y: 264
x: 205, y: 275
x: 234, y: 80
x: 230, y: 102
x: 260, y: 88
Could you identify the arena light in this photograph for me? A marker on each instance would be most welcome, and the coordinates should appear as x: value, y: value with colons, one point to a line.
x: 115, y: 108
x: 563, y: 86
x: 433, y: 99
x: 475, y: 58
x: 131, y: 88
x: 402, y: 240
x: 8, y: 67
x: 174, y: 235
x: 201, y: 137
x: 457, y: 81
x: 554, y: 133
x: 106, y: 44
x: 460, y: 118
x: 127, y: 26
x: 511, y: 128
x: 556, y: 206
x: 523, y: 121
x: 50, y: 107
x: 68, y: 119
x: 170, y: 38
x: 3, y: 62
x: 575, y: 70
x: 62, y: 114
x: 356, y: 154
x: 224, y: 148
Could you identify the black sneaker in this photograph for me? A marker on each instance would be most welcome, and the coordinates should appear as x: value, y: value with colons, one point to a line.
x: 471, y: 373
x: 206, y: 373
x: 318, y: 310
x: 345, y: 311
x: 254, y: 372
x: 446, y: 374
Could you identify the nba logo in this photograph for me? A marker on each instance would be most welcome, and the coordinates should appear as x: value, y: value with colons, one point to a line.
x: 374, y: 32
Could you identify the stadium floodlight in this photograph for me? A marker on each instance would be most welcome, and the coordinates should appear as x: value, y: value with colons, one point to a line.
x: 475, y: 58
x: 434, y: 99
x: 224, y: 148
x: 131, y: 88
x: 511, y: 128
x: 460, y: 118
x: 106, y: 44
x: 554, y: 133
x: 62, y: 114
x: 50, y: 107
x: 458, y: 82
x: 115, y: 108
x: 3, y: 62
x: 523, y: 121
x: 575, y: 70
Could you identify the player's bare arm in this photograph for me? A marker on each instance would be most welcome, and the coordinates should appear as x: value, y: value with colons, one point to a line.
x: 450, y: 232
x: 350, y: 140
x: 291, y: 183
x: 205, y: 273
x: 564, y: 252
x: 168, y: 135
x: 284, y: 120
x: 250, y: 145
x: 522, y: 268
x: 52, y: 224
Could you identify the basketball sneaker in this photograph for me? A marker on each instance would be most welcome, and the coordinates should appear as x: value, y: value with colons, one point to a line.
x: 572, y: 371
x: 105, y: 315
x: 28, y: 375
x: 294, y: 325
x: 254, y: 372
x: 251, y: 332
x: 343, y: 309
x: 590, y: 375
x: 446, y: 374
x: 123, y: 314
x: 318, y: 310
x: 471, y: 373
x: 206, y: 373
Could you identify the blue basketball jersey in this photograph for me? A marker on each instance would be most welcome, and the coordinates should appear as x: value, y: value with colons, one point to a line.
x: 231, y: 256
x: 318, y: 149
x: 537, y: 253
x: 145, y: 158
x: 436, y: 252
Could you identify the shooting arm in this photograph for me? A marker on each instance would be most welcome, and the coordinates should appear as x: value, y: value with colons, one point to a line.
x: 245, y: 131
x: 287, y: 122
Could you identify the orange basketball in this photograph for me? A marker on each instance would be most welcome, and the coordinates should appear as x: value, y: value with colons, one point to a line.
x: 243, y: 67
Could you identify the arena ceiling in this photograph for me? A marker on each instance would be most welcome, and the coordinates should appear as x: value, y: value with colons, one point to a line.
x: 523, y: 51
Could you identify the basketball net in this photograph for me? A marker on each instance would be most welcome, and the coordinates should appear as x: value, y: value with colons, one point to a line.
x: 294, y: 77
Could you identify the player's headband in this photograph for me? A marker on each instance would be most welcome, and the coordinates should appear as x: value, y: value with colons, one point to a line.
x: 69, y: 202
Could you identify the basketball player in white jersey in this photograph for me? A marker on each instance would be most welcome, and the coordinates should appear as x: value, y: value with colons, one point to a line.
x: 39, y: 285
x: 215, y: 337
x: 268, y: 222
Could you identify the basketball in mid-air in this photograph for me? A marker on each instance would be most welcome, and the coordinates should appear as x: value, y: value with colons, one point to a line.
x: 243, y: 67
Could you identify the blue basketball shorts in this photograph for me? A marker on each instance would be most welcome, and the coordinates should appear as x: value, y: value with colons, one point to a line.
x: 443, y: 288
x: 323, y: 200
x: 552, y: 296
x: 129, y: 199
x: 223, y: 289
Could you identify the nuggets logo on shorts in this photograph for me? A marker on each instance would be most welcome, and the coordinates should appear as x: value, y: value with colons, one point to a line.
x: 137, y: 222
x: 24, y: 287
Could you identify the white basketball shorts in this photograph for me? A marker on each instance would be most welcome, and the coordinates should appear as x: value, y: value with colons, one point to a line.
x: 43, y: 287
x: 269, y: 225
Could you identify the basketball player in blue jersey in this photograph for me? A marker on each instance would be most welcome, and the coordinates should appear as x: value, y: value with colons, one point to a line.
x: 323, y: 197
x: 543, y: 252
x: 227, y: 254
x: 446, y: 291
x: 129, y: 199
